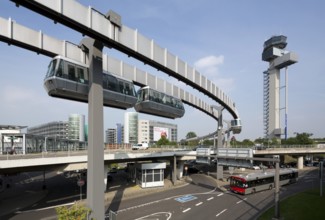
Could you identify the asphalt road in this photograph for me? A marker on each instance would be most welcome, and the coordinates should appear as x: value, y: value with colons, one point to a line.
x: 200, y: 199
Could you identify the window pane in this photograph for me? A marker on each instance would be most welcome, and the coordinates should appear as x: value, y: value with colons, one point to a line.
x: 71, y: 72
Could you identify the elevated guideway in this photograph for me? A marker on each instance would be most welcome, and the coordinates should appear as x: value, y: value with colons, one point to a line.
x: 109, y: 30
x: 16, y: 34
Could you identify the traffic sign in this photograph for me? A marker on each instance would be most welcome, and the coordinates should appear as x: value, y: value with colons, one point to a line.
x: 81, y: 182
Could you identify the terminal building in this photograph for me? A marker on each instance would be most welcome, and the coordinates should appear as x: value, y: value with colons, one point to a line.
x: 74, y: 129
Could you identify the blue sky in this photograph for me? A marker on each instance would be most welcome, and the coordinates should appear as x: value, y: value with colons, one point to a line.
x: 222, y: 39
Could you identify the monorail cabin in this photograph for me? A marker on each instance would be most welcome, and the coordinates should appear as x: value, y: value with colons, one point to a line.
x: 68, y: 79
x: 157, y: 103
x: 236, y: 126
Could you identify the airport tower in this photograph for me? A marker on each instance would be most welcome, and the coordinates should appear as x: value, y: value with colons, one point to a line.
x: 274, y: 52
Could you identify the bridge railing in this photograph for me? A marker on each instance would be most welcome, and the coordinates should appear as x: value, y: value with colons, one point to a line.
x: 79, y: 151
x: 284, y: 146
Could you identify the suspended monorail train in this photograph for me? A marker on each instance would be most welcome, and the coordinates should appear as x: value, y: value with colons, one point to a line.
x: 157, y: 103
x: 236, y: 126
x: 69, y: 79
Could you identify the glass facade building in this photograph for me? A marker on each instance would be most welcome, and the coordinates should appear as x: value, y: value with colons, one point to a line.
x: 76, y: 127
x: 131, y: 127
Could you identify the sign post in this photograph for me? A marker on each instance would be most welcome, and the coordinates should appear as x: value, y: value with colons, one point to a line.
x: 80, y: 183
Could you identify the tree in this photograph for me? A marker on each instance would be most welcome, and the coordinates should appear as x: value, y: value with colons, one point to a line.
x: 304, y: 138
x: 191, y: 134
x: 162, y: 141
x: 247, y: 143
x: 300, y: 139
x: 75, y: 212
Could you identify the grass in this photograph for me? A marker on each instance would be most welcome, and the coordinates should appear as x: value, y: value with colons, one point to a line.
x: 305, y: 205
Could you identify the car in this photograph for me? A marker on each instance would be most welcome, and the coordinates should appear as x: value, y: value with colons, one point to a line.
x: 140, y: 146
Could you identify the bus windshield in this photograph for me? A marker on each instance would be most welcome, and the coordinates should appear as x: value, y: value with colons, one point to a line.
x: 237, y: 182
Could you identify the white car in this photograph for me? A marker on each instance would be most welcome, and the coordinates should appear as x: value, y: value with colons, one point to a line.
x: 140, y: 146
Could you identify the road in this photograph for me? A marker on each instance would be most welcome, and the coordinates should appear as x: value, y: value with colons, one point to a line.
x: 201, y: 199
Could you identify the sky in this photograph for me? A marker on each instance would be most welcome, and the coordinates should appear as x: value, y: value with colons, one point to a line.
x: 222, y: 39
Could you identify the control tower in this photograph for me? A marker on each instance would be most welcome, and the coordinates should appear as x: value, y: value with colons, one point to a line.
x: 274, y: 53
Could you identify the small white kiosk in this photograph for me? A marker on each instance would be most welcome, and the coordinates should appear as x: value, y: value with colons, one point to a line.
x: 150, y: 174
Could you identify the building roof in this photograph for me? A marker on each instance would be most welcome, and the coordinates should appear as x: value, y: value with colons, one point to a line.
x: 12, y: 127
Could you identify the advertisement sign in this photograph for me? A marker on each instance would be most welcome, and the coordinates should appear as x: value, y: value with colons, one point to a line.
x: 158, y: 132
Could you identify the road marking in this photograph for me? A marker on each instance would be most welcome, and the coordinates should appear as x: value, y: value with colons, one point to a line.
x: 241, y: 200
x: 210, y: 198
x: 166, y: 199
x: 200, y: 203
x: 166, y: 215
x: 114, y: 187
x: 221, y: 212
x: 64, y: 198
x: 188, y: 209
x: 46, y: 208
x: 220, y: 194
x: 185, y: 198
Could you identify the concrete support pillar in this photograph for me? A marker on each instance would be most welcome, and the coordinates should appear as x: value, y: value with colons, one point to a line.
x: 95, y: 186
x: 105, y: 177
x: 180, y: 168
x: 24, y: 144
x: 300, y: 163
x: 174, y: 170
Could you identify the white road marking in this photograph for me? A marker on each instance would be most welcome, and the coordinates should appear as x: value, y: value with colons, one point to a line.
x: 220, y: 194
x: 221, y: 212
x: 241, y: 200
x: 41, y: 209
x: 165, y: 199
x: 200, y: 203
x: 210, y: 198
x: 186, y: 210
x: 167, y: 214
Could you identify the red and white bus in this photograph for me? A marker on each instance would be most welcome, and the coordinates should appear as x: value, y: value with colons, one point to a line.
x: 258, y: 181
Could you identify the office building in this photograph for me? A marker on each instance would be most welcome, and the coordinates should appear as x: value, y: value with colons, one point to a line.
x: 131, y: 127
x: 76, y: 127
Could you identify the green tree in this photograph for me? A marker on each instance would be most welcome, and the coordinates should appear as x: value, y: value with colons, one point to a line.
x: 247, y: 143
x: 208, y: 142
x: 304, y: 138
x: 191, y: 134
x: 163, y: 141
x: 75, y: 212
x: 300, y: 139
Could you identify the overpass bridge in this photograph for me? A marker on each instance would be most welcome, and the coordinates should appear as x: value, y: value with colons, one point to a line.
x: 294, y: 150
x: 77, y: 160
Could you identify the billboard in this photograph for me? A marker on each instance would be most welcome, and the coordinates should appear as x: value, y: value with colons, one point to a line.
x: 158, y: 132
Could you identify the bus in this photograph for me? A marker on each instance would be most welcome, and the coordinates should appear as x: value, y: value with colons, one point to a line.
x: 258, y: 181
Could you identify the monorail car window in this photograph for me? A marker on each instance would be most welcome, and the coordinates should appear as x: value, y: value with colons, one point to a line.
x: 127, y: 89
x: 71, y: 72
x: 121, y: 85
x: 81, y: 75
x: 112, y: 83
x: 51, y: 68
x: 59, y: 71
